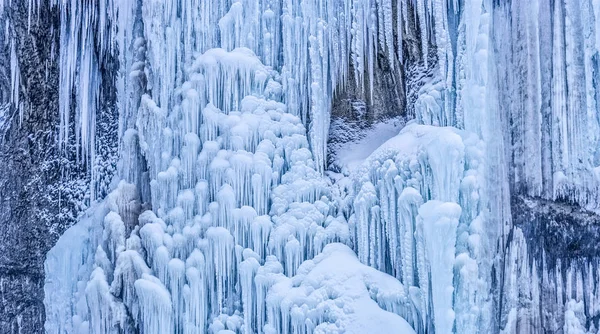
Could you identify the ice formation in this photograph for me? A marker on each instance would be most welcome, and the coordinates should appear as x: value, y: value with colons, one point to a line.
x: 417, y: 217
x: 223, y: 220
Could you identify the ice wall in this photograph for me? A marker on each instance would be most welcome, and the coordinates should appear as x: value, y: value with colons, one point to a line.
x: 224, y: 118
x: 548, y: 93
x: 547, y: 105
x: 224, y: 220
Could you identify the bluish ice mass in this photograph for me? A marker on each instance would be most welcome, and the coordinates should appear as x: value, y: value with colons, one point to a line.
x: 472, y: 210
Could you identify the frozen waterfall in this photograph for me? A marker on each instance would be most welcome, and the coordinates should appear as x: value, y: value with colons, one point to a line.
x: 225, y: 219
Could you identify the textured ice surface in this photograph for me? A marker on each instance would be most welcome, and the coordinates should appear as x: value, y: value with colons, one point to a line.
x: 224, y: 220
x: 408, y: 219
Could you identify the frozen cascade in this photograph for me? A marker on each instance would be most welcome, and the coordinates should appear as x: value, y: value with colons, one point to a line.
x: 408, y: 220
x: 232, y: 179
x: 222, y: 219
x: 555, y: 117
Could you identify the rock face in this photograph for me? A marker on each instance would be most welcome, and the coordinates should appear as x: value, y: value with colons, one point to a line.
x: 30, y: 178
x: 43, y: 187
x: 356, y: 108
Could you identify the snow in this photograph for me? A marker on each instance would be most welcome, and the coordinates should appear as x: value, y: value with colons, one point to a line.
x: 351, y: 154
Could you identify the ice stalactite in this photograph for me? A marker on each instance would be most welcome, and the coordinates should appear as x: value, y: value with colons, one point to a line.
x: 310, y: 45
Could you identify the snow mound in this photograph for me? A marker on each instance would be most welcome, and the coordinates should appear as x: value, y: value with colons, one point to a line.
x: 335, y: 293
x: 351, y: 154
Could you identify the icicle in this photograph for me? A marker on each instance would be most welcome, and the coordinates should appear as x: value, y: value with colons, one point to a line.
x: 437, y: 222
x: 388, y: 16
x: 424, y: 30
x: 222, y: 266
x: 155, y: 305
x: 15, y: 79
x: 248, y: 270
x: 400, y: 18
x: 176, y: 281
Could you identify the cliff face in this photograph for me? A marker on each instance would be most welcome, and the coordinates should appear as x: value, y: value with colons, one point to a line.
x: 43, y: 186
x: 30, y: 173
